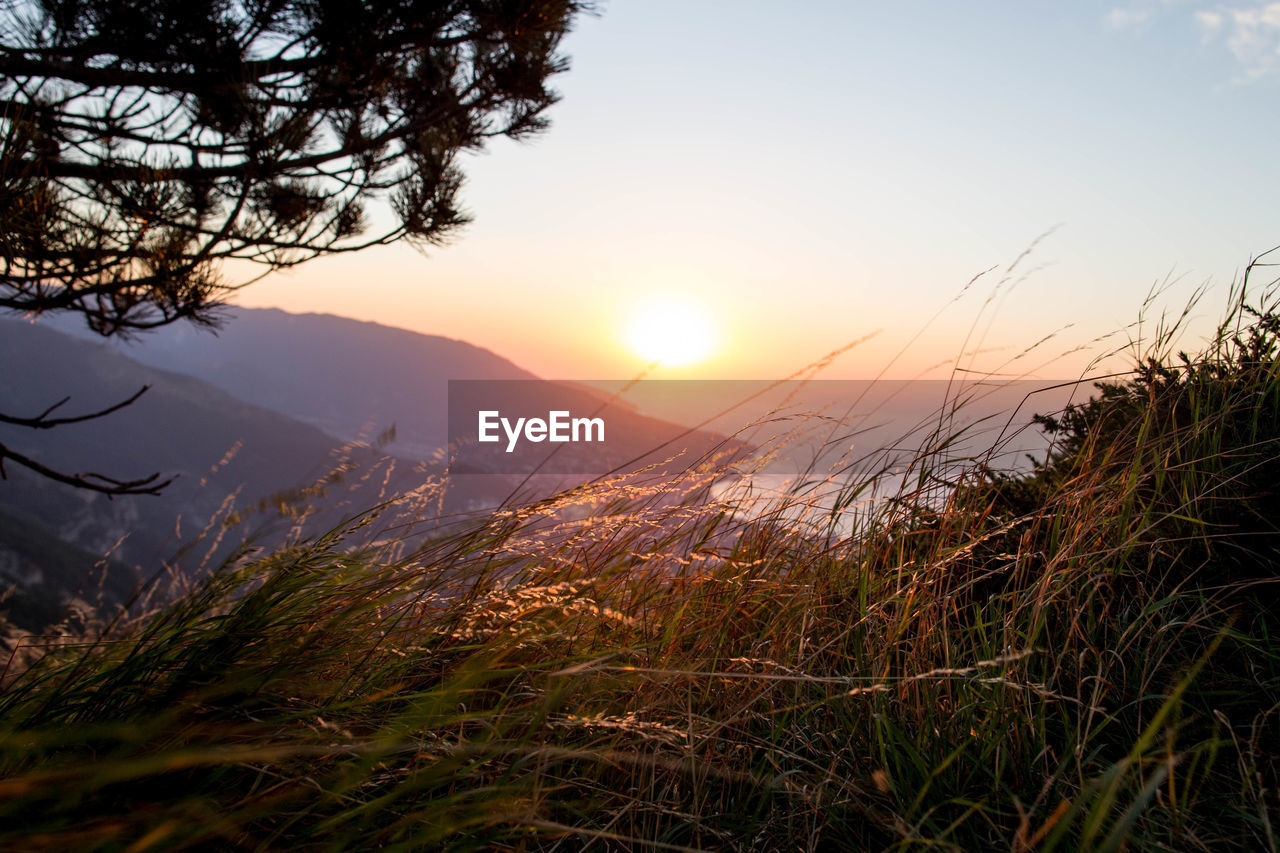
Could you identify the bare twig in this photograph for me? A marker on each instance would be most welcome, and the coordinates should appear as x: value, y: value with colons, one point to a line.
x: 43, y: 421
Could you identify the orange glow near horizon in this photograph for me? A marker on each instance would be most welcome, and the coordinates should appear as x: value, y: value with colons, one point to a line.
x: 873, y: 176
x: 588, y: 317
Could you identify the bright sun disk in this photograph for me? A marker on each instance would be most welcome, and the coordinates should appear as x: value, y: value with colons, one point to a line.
x: 672, y: 333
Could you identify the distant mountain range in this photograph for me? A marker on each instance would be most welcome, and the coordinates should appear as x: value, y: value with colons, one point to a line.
x: 253, y: 421
x: 350, y: 378
x: 272, y: 427
x: 216, y: 445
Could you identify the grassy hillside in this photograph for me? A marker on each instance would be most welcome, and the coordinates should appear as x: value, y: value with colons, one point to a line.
x: 1079, y: 657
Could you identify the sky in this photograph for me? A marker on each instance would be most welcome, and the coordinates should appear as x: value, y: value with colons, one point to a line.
x: 807, y: 174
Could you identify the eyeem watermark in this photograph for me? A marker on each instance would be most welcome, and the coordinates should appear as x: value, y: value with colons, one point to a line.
x: 589, y: 429
x: 558, y: 427
x: 526, y: 426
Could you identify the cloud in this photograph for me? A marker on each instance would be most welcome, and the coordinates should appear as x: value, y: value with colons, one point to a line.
x: 1249, y: 29
x: 1122, y: 18
x: 1135, y: 15
x: 1210, y: 22
x: 1251, y: 32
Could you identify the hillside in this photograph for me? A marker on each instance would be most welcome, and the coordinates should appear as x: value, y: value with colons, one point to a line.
x: 1080, y: 656
x: 350, y: 378
x: 229, y: 454
x: 42, y: 576
x: 226, y: 454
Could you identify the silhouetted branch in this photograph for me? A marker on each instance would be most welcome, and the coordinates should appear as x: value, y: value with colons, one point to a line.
x: 101, y: 483
x: 86, y: 480
x: 43, y: 421
x: 135, y: 162
x: 144, y: 145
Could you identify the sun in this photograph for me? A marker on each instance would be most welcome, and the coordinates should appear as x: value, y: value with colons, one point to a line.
x: 672, y: 332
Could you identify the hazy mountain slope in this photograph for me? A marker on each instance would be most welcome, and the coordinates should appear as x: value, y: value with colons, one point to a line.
x: 348, y: 377
x: 228, y: 454
x: 40, y: 575
x: 354, y: 379
x: 216, y: 444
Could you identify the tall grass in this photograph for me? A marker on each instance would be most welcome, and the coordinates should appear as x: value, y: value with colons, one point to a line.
x: 1077, y: 657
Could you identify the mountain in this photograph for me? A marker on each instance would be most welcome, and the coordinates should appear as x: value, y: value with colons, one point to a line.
x: 42, y: 576
x: 356, y: 379
x: 230, y: 458
x: 266, y: 447
x: 350, y: 378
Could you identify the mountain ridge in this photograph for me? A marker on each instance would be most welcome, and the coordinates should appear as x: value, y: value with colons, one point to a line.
x: 291, y: 363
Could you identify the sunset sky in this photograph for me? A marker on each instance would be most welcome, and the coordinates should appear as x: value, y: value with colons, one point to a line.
x: 805, y: 174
